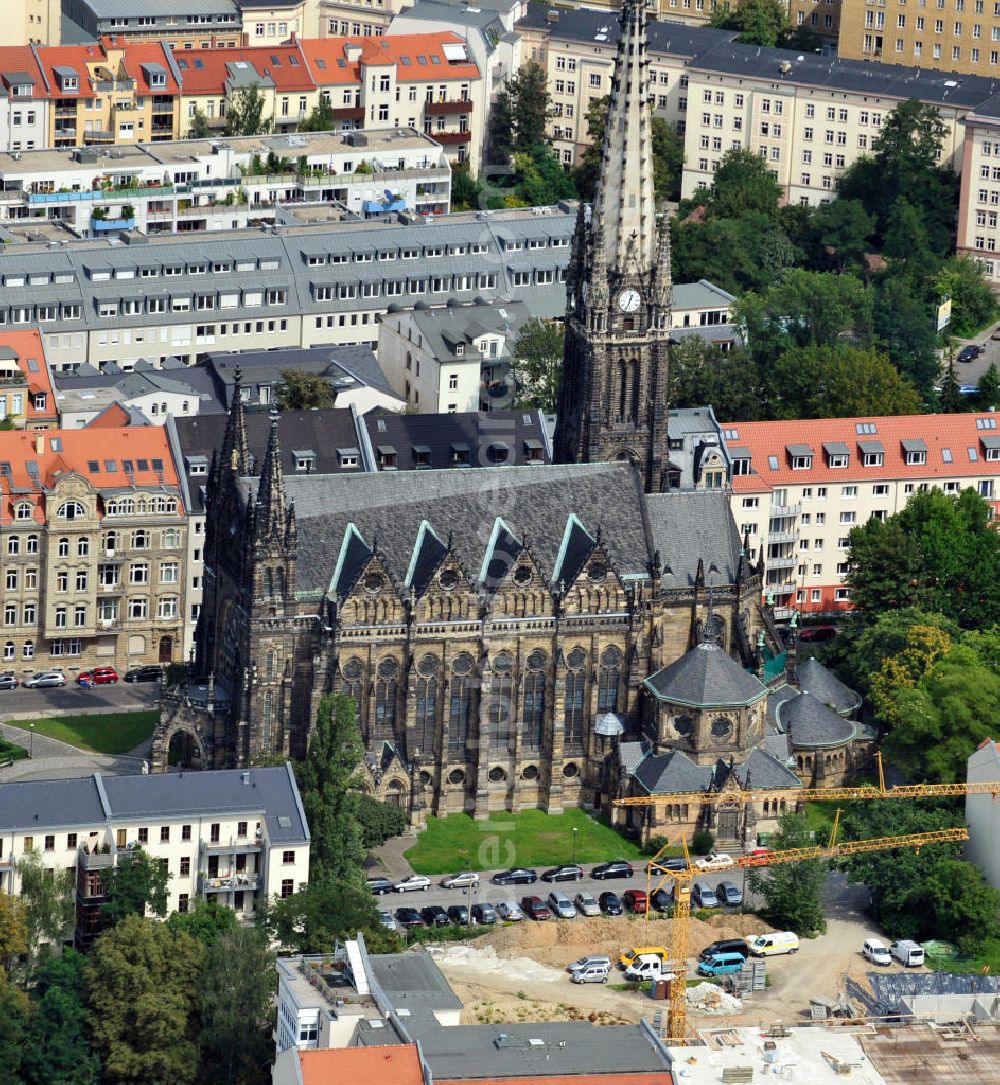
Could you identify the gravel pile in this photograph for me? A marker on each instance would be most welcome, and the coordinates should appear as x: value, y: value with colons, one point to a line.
x: 707, y: 998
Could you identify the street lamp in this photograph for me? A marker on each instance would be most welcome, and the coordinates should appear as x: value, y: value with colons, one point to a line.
x: 575, y: 831
x: 31, y: 740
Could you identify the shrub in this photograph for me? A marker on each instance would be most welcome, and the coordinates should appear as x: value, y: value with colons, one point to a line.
x: 702, y: 841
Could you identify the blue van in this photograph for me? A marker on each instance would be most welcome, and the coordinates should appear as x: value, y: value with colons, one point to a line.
x: 721, y: 963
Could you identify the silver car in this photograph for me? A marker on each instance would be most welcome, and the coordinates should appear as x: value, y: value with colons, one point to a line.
x: 460, y: 881
x: 586, y: 905
x: 414, y: 883
x: 510, y: 911
x: 387, y: 921
x: 46, y: 678
x: 591, y: 960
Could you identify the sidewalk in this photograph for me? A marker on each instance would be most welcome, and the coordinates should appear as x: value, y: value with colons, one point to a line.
x: 389, y: 861
x: 52, y: 759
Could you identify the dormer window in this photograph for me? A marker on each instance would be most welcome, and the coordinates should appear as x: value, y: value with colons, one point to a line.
x: 197, y: 465
x: 533, y: 450
x: 914, y: 452
x: 460, y: 455
x: 460, y: 350
x: 991, y: 448
x: 800, y: 456
x: 346, y: 457
x: 421, y: 456
x: 305, y: 459
x: 386, y: 458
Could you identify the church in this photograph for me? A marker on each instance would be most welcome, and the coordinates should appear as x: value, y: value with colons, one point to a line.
x: 511, y: 635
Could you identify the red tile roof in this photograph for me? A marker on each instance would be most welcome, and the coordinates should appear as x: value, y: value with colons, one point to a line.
x: 30, y: 357
x: 419, y: 58
x: 205, y: 71
x: 397, y: 1064
x: 86, y: 59
x: 21, y: 58
x: 32, y: 462
x: 656, y: 1077
x: 948, y: 439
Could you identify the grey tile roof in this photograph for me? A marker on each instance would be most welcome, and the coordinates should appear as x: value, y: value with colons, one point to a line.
x: 704, y: 677
x: 778, y: 746
x: 630, y: 754
x: 535, y: 503
x: 106, y: 9
x: 810, y: 723
x: 812, y: 677
x: 687, y: 526
x: 52, y: 804
x: 343, y: 366
x: 673, y: 771
x: 445, y: 327
x: 762, y: 769
x: 776, y: 697
x: 413, y: 978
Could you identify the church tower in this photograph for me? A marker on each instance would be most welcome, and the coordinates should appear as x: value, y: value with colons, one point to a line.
x: 613, y: 396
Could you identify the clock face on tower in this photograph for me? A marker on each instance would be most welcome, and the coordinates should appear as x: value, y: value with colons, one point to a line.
x: 629, y: 301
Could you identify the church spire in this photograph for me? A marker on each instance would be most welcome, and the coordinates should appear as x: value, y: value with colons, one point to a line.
x: 270, y: 521
x: 235, y: 454
x: 624, y: 202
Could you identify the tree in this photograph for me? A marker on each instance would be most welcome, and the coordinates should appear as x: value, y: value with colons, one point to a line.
x: 48, y: 900
x: 13, y: 931
x: 845, y: 228
x: 865, y: 647
x: 919, y: 896
x: 379, y: 821
x: 940, y: 553
x: 701, y: 373
x: 136, y: 883
x: 838, y: 382
x: 737, y: 254
x: 328, y: 783
x: 466, y: 190
x: 904, y: 325
x: 760, y: 22
x: 245, y: 113
x: 667, y: 145
x: 520, y: 112
x: 57, y: 1047
x: 14, y: 1013
x: 792, y: 892
x: 313, y: 920
x: 301, y: 391
x: 142, y: 981
x: 237, y: 1009
x: 950, y: 396
x: 924, y: 646
x: 320, y: 118
x: 537, y: 364
x: 539, y: 179
x: 988, y: 389
x: 972, y: 305
x: 199, y: 128
x: 743, y: 183
x: 209, y: 922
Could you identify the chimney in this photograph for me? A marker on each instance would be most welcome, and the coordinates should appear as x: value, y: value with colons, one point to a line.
x: 39, y: 445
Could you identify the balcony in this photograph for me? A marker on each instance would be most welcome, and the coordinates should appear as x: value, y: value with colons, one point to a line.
x: 780, y: 511
x: 98, y: 135
x: 447, y: 109
x: 448, y: 138
x: 99, y: 195
x: 235, y: 843
x: 247, y: 881
x: 348, y: 113
x: 782, y: 536
x: 780, y: 563
x: 16, y: 381
x: 103, y: 226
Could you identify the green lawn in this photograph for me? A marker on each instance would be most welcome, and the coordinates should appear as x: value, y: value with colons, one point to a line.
x: 986, y: 961
x: 531, y: 838
x: 110, y: 733
x: 10, y: 751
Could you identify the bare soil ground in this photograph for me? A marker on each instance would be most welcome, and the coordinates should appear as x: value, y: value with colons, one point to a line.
x: 516, y: 989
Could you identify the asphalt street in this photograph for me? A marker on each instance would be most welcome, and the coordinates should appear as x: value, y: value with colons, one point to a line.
x: 970, y: 372
x: 72, y: 696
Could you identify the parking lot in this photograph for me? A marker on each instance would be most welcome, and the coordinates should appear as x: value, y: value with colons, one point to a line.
x: 969, y: 372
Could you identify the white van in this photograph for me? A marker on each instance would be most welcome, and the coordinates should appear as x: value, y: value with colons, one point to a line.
x: 769, y: 945
x: 907, y: 952
x: 647, y: 966
x: 875, y: 951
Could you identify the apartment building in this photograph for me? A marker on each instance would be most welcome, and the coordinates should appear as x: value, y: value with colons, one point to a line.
x: 577, y: 48
x: 276, y: 22
x: 32, y: 22
x: 822, y: 17
x: 234, y: 837
x: 26, y: 394
x: 957, y: 36
x: 979, y: 191
x: 24, y: 100
x: 93, y: 540
x: 182, y: 24
x: 317, y: 283
x: 799, y: 487
x: 193, y: 186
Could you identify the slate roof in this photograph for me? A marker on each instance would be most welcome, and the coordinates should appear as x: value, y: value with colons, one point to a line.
x: 446, y: 326
x: 630, y: 754
x: 686, y: 526
x: 776, y: 697
x: 809, y: 722
x: 706, y: 677
x: 672, y: 772
x: 778, y: 746
x: 337, y: 363
x: 535, y: 503
x: 763, y: 769
x: 50, y: 803
x: 812, y: 677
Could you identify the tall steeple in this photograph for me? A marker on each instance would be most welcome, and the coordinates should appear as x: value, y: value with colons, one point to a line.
x: 613, y: 396
x: 624, y: 201
x: 270, y: 515
x: 235, y: 454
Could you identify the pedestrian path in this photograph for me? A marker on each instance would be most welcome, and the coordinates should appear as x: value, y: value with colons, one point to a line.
x: 52, y: 759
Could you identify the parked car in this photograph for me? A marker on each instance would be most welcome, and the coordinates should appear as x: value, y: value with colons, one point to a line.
x: 662, y: 900
x: 719, y: 964
x: 907, y: 952
x: 661, y: 866
x: 725, y: 945
x: 586, y: 905
x: 876, y: 951
x: 561, y: 906
x: 595, y: 973
x: 385, y: 918
x: 817, y: 634
x: 509, y: 911
x: 568, y: 873
x: 460, y: 881
x: 484, y: 913
x: 617, y: 868
x: 8, y: 680
x: 517, y: 875
x: 535, y: 908
x: 408, y: 917
x: 151, y: 672
x: 99, y: 676
x: 630, y: 956
x: 635, y: 901
x: 435, y: 916
x: 415, y: 883
x: 590, y: 960
x: 45, y: 678
x: 729, y: 893
x: 459, y: 914
x: 769, y: 945
x: 716, y: 861
x: 610, y: 904
x: 758, y: 857
x: 379, y: 886
x: 703, y: 895
x: 646, y: 966
x: 967, y: 354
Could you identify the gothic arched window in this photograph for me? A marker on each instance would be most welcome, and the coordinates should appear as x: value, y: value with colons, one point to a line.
x: 499, y: 707
x: 533, y: 708
x: 351, y: 676
x: 607, y: 683
x: 573, y: 702
x: 459, y: 701
x: 426, y: 716
x: 385, y: 699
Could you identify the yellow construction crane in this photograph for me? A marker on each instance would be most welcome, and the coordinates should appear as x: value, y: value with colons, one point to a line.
x: 677, y: 1027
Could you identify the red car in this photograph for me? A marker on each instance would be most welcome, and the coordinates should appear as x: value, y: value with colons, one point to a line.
x: 535, y: 908
x: 757, y: 857
x: 635, y: 901
x: 99, y: 676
